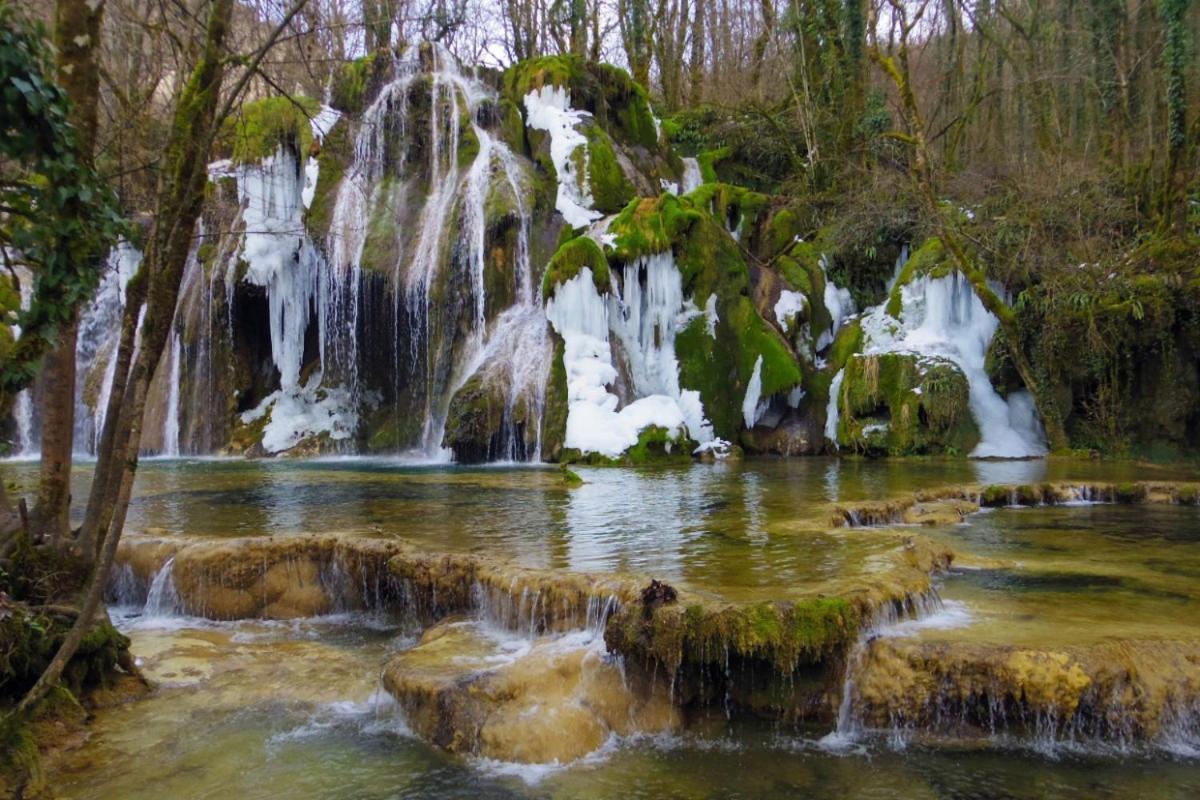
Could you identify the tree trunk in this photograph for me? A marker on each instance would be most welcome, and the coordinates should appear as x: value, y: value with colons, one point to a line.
x: 76, y: 37
x: 50, y: 518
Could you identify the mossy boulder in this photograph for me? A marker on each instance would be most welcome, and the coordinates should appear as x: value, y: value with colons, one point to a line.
x: 337, y: 153
x: 905, y: 404
x: 479, y: 418
x: 785, y: 635
x: 618, y: 104
x: 737, y: 208
x: 356, y: 82
x: 611, y: 190
x: 719, y: 364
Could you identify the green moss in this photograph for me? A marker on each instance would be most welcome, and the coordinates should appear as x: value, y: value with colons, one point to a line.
x: 351, y: 83
x: 381, y: 241
x: 475, y: 416
x: 554, y: 418
x: 611, y: 190
x: 735, y: 207
x: 263, y: 126
x: 468, y: 146
x: 569, y: 261
x: 652, y: 225
x: 336, y: 154
x: 655, y: 446
x: 532, y: 74
x: 788, y: 636
x: 570, y: 477
x: 708, y: 161
x: 512, y: 126
x: 618, y: 104
x: 783, y: 227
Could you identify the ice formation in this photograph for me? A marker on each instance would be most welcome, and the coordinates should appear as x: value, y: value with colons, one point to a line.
x: 549, y: 109
x: 943, y: 318
x: 751, y: 407
x: 645, y: 318
x: 788, y: 306
x: 838, y: 302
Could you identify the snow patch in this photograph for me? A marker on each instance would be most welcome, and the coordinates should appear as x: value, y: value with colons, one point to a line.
x: 298, y: 413
x: 788, y: 306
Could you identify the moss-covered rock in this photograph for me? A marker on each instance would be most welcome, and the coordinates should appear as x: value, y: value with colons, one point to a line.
x: 611, y: 190
x: 554, y: 416
x: 786, y: 635
x: 261, y: 127
x: 904, y: 404
x: 570, y: 260
x: 354, y: 83
x: 737, y: 208
x: 335, y: 157
x: 929, y: 260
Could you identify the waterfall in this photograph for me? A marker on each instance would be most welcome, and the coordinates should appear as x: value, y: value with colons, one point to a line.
x: 900, y: 618
x: 96, y: 347
x: 162, y: 599
x: 170, y: 445
x: 692, y: 177
x: 26, y: 444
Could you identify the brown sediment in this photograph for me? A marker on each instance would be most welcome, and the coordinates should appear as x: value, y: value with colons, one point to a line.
x: 1113, y: 691
x: 951, y: 504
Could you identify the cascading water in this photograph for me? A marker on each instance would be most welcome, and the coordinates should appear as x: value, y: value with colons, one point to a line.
x: 171, y: 421
x: 162, y: 599
x: 96, y: 348
x: 923, y: 611
x: 26, y: 444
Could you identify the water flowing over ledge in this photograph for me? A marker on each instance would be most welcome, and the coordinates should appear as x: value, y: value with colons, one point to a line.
x: 498, y: 636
